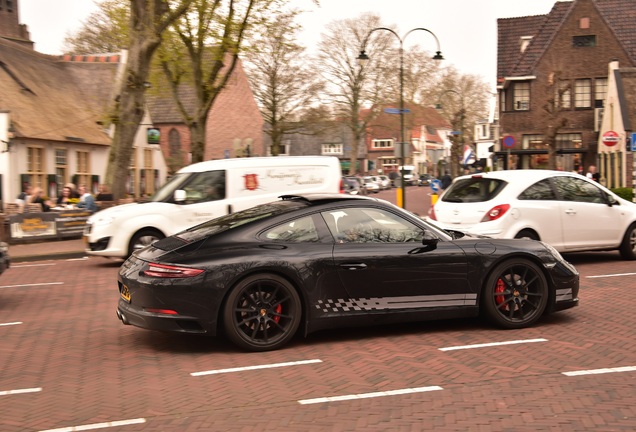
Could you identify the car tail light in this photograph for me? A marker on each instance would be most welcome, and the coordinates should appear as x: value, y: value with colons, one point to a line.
x: 168, y: 271
x: 342, y: 187
x: 431, y: 213
x: 496, y: 212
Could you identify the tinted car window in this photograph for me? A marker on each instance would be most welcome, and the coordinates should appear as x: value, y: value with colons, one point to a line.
x: 474, y: 189
x: 300, y: 230
x: 370, y: 225
x: 574, y: 189
x: 237, y: 219
x: 541, y: 190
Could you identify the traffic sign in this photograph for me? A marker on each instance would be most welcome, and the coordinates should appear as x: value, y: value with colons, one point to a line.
x: 610, y: 138
x: 509, y: 141
x: 634, y: 141
x: 436, y: 185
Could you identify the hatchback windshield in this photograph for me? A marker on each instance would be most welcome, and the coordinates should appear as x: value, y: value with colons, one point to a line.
x: 474, y: 189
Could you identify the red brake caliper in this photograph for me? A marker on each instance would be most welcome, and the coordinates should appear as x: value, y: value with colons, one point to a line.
x: 501, y: 287
x: 279, y: 309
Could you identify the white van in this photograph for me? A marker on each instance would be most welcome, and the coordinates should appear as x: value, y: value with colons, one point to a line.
x: 203, y: 191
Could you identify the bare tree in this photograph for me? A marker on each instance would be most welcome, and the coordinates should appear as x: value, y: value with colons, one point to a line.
x: 104, y: 31
x: 354, y: 86
x: 462, y: 100
x: 204, y: 52
x: 148, y: 20
x: 556, y: 95
x: 283, y: 83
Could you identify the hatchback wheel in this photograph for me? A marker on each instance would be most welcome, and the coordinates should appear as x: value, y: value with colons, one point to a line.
x: 628, y: 246
x: 527, y: 234
x: 262, y: 313
x: 515, y: 294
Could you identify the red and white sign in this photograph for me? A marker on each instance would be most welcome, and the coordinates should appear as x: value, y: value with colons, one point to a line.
x: 610, y: 138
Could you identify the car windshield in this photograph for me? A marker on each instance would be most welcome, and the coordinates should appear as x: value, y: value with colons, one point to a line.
x: 473, y: 189
x: 240, y: 218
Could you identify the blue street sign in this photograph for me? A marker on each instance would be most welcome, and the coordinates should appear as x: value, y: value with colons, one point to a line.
x: 396, y: 110
x: 455, y: 133
x: 436, y: 185
x: 634, y: 141
x: 509, y: 141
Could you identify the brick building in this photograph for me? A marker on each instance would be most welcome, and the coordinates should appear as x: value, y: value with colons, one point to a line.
x: 560, y: 61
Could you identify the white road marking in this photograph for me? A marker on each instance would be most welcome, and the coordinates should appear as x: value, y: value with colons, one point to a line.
x: 369, y: 395
x: 10, y: 323
x: 31, y: 265
x: 248, y: 368
x: 31, y: 285
x: 492, y: 344
x: 20, y: 391
x: 98, y: 425
x: 77, y: 259
x: 601, y: 371
x: 611, y: 275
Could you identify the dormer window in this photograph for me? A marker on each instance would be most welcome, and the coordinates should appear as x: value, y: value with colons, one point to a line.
x: 584, y: 41
x: 524, y: 41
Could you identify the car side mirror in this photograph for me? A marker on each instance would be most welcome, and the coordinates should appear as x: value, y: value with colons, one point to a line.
x: 430, y: 240
x: 179, y: 196
x: 611, y: 201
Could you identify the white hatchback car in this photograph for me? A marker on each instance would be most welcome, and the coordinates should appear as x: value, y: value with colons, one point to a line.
x: 566, y: 210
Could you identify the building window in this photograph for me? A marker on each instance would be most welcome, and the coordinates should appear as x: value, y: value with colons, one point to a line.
x: 600, y: 92
x: 332, y: 149
x: 10, y: 5
x: 564, y: 95
x: 584, y: 41
x: 521, y: 96
x: 35, y: 167
x: 148, y: 181
x: 83, y: 169
x: 583, y: 93
x: 61, y: 169
x: 382, y: 144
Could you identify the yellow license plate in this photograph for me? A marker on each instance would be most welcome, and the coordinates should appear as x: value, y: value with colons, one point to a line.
x: 125, y: 293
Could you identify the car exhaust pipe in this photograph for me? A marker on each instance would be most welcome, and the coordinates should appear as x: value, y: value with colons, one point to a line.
x: 122, y: 317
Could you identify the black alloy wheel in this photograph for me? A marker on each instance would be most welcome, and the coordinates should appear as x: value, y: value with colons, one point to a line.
x: 515, y: 294
x: 262, y: 313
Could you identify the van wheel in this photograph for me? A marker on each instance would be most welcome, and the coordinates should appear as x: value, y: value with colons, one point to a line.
x: 144, y: 238
x: 628, y: 246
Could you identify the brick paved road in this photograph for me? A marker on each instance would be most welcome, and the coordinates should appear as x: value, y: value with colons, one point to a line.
x: 76, y: 365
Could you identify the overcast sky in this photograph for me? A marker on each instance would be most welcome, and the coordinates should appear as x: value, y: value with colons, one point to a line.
x: 466, y: 29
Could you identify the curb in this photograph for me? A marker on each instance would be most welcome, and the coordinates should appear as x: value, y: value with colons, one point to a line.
x: 48, y: 256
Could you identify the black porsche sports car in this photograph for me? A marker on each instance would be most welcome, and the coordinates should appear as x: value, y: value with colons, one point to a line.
x: 312, y: 262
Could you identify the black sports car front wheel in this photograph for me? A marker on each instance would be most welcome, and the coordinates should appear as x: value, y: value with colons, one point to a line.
x: 515, y: 294
x: 262, y: 313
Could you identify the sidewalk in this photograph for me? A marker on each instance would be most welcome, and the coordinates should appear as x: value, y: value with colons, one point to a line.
x: 58, y: 249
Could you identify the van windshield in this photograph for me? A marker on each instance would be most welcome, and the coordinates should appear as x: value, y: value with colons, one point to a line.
x: 166, y: 192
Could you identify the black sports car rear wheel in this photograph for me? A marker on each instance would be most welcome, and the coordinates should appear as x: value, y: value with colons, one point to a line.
x: 262, y: 313
x: 516, y: 294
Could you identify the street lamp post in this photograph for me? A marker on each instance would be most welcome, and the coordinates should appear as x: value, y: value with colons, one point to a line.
x: 363, y: 56
x: 455, y: 152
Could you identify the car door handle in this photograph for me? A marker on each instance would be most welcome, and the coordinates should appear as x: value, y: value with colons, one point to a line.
x: 352, y: 266
x: 570, y: 211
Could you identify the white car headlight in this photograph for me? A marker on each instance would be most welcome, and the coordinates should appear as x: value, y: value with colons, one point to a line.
x: 102, y: 221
